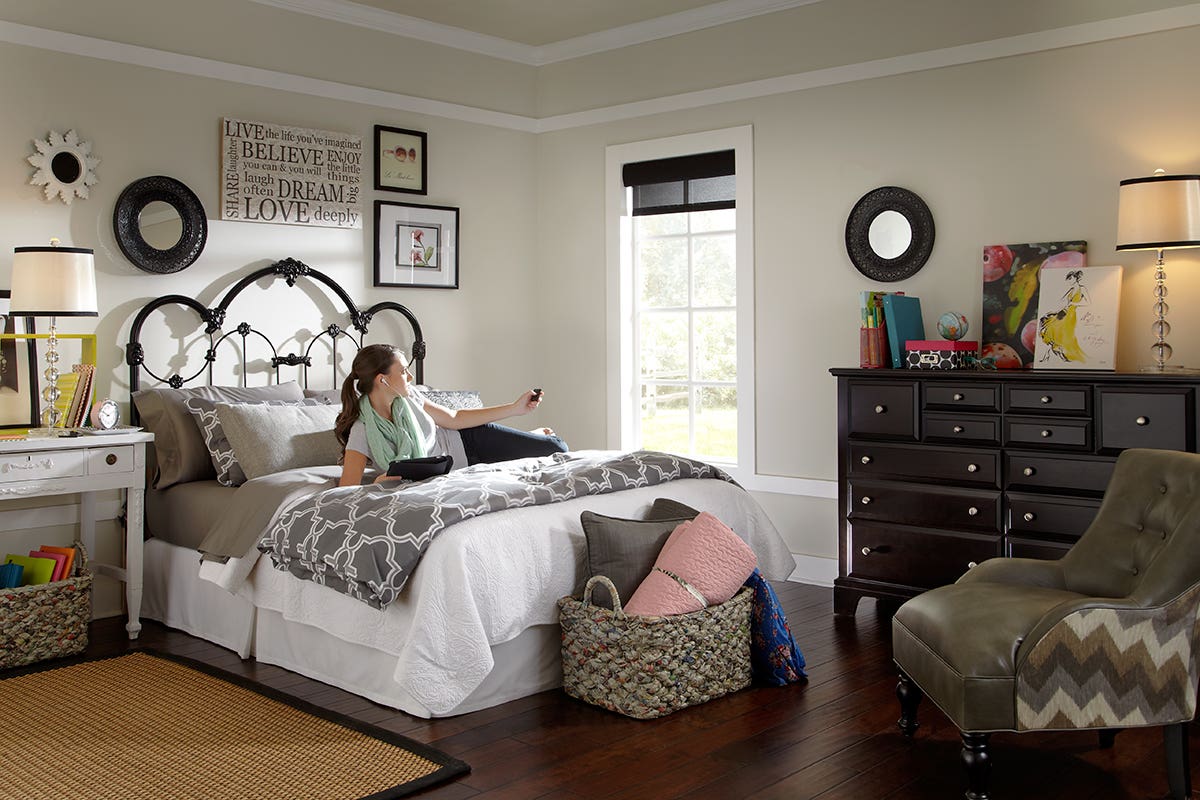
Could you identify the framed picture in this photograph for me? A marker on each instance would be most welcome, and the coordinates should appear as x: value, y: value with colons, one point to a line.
x: 416, y: 245
x: 1077, y: 318
x: 401, y: 160
x: 18, y: 370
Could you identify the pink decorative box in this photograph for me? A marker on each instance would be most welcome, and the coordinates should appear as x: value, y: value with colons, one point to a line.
x: 939, y: 354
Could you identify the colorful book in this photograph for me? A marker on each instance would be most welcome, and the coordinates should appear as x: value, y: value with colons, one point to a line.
x: 68, y: 553
x: 10, y: 575
x: 903, y: 316
x: 82, y: 400
x: 59, y: 562
x: 67, y: 381
x: 37, y: 570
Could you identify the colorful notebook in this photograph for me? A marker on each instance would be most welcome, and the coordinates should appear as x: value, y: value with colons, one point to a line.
x: 68, y: 553
x: 10, y: 575
x: 59, y: 561
x: 903, y: 317
x: 37, y: 570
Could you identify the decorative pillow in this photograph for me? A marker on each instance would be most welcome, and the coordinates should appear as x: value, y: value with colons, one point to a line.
x: 666, y: 508
x: 702, y: 564
x: 623, y: 550
x: 453, y: 399
x: 269, y: 439
x: 178, y: 445
x: 229, y: 471
x: 330, y: 397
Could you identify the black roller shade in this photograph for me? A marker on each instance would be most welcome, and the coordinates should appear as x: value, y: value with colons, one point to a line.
x: 699, y: 182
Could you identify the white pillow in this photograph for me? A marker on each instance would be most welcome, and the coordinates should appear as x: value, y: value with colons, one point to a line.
x: 269, y: 439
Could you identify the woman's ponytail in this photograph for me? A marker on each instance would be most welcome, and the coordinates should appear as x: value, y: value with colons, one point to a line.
x: 349, y: 413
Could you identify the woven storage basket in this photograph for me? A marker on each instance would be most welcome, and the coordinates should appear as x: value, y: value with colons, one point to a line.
x: 648, y: 667
x: 49, y: 620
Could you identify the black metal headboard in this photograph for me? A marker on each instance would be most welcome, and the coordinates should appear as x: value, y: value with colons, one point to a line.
x: 291, y: 271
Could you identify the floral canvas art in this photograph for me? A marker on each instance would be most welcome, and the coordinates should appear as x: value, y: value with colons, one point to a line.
x: 1077, y: 318
x: 1010, y: 296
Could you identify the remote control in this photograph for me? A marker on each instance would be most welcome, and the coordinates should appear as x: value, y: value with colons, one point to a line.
x: 537, y: 393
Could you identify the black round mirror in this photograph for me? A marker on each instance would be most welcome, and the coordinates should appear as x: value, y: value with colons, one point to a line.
x: 66, y: 167
x: 160, y: 224
x: 889, y: 234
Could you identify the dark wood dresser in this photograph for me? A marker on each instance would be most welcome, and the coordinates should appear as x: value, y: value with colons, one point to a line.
x: 939, y: 470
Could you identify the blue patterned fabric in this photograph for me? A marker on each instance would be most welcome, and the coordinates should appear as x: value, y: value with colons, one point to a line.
x: 774, y: 656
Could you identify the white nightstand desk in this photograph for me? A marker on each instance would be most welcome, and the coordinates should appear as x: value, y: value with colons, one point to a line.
x: 87, y: 464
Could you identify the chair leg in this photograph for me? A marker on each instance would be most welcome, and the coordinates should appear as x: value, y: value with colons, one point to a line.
x: 1108, y: 736
x: 978, y: 761
x: 1179, y: 772
x: 909, y: 695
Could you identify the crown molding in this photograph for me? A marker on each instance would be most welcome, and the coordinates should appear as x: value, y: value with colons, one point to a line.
x: 534, y: 55
x: 1024, y: 44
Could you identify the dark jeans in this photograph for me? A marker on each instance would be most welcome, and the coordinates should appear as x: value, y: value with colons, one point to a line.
x: 486, y: 444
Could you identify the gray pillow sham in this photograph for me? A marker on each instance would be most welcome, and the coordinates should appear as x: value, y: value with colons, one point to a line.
x: 623, y: 550
x: 268, y: 439
x: 224, y: 460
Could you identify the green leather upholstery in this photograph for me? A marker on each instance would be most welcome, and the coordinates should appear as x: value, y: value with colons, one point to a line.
x: 1105, y: 637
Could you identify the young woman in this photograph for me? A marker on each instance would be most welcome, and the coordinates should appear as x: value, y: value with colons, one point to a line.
x: 385, y: 418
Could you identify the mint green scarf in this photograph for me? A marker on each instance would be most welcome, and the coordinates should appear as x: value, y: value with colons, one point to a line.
x: 394, y: 439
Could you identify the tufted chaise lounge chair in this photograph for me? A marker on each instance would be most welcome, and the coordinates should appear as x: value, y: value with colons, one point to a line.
x: 1106, y: 638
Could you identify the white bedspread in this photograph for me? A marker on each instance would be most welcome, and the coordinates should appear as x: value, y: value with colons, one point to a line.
x: 482, y: 582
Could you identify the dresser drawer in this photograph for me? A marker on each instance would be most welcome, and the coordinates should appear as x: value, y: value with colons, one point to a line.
x: 107, y: 460
x: 1049, y: 399
x: 959, y: 509
x: 41, y: 464
x: 915, y: 558
x: 1056, y: 432
x: 971, y: 428
x: 969, y: 396
x: 957, y: 465
x: 1056, y: 473
x: 883, y: 409
x: 1162, y: 419
x: 1037, y: 515
x: 1032, y: 548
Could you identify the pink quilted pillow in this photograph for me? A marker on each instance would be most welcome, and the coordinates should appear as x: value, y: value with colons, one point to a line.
x: 707, y: 556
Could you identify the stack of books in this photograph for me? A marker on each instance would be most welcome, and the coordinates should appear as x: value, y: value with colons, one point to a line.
x: 888, y: 320
x: 44, y: 565
x: 75, y: 395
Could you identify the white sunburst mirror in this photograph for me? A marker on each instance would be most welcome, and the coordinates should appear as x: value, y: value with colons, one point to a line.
x: 65, y: 166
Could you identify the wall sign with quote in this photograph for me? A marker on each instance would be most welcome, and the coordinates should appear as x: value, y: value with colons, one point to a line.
x: 291, y: 176
x: 416, y: 245
x: 65, y: 166
x: 401, y: 160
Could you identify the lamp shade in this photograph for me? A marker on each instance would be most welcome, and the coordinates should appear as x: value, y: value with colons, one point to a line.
x: 53, y: 282
x: 1161, y: 212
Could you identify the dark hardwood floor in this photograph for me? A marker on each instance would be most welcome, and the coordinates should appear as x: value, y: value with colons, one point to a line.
x: 832, y: 737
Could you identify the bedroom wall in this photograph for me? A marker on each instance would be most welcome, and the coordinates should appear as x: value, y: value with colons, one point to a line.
x: 1021, y: 149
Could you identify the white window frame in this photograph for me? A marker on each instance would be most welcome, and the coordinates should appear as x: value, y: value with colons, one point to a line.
x: 623, y: 404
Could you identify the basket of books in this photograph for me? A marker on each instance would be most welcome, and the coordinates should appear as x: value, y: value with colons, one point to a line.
x: 648, y: 667
x: 45, y: 618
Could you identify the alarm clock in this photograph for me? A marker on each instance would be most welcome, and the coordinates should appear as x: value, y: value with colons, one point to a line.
x: 105, y: 415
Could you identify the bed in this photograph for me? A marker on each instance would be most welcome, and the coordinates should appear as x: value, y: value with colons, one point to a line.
x: 475, y: 625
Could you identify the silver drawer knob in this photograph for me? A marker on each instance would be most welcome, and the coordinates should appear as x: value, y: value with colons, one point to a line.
x: 1142, y: 420
x: 866, y: 501
x: 958, y: 429
x: 1029, y: 516
x: 1046, y: 434
x: 866, y: 551
x: 973, y: 511
x: 959, y: 396
x: 880, y: 409
x: 972, y: 565
x: 865, y: 459
x: 1046, y: 399
x: 1028, y: 471
x: 972, y: 468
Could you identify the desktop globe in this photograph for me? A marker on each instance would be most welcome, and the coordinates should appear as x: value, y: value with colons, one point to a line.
x: 952, y: 325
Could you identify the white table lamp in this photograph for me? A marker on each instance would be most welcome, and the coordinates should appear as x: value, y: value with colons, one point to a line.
x: 52, y: 282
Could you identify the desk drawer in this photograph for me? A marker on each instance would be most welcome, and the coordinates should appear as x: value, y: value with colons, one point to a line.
x: 1074, y: 434
x: 1049, y: 399
x: 1056, y: 473
x: 1032, y: 548
x: 968, y: 396
x: 925, y: 464
x: 108, y: 460
x: 1158, y: 419
x: 883, y: 409
x: 41, y: 464
x: 961, y: 509
x: 1037, y: 515
x: 967, y: 428
x: 916, y: 558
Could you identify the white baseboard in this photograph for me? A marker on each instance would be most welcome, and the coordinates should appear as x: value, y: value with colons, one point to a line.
x: 814, y: 570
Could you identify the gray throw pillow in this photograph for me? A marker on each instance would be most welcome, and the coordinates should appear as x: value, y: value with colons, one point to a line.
x: 179, y: 448
x: 330, y: 397
x: 269, y: 439
x: 666, y: 508
x: 229, y: 471
x: 623, y: 550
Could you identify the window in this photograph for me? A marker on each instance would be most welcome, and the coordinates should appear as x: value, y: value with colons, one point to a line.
x: 681, y: 258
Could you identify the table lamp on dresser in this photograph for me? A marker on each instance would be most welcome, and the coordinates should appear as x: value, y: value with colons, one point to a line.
x: 52, y: 281
x: 1161, y: 212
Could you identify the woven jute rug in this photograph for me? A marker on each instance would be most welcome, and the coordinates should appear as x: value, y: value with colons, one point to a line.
x: 139, y: 727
